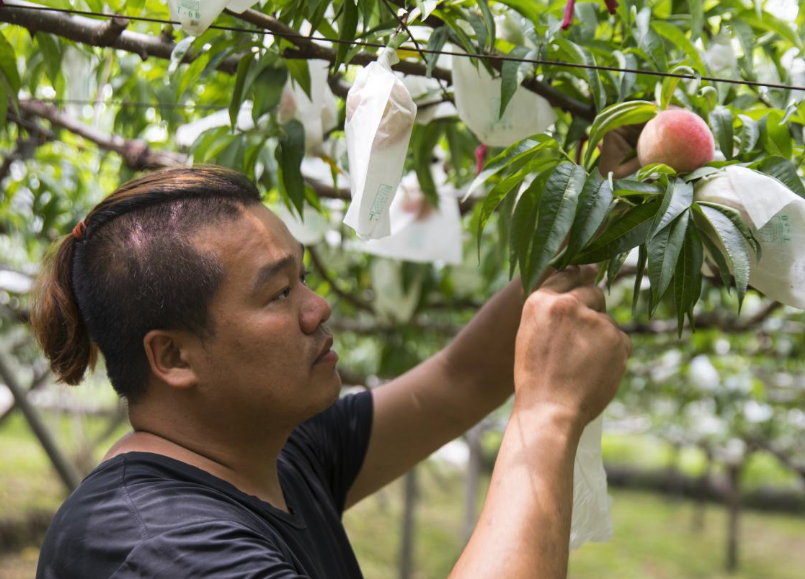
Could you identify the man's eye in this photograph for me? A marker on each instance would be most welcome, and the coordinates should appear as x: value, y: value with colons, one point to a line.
x: 287, y: 291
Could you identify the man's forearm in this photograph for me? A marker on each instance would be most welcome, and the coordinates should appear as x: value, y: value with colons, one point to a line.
x: 524, y: 529
x: 483, y: 352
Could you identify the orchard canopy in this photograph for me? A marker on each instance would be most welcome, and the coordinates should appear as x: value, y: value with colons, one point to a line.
x: 500, y: 176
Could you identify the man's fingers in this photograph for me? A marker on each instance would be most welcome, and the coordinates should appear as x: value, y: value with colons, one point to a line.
x: 591, y: 296
x: 570, y: 278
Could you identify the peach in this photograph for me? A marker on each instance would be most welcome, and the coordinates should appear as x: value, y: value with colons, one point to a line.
x: 678, y: 138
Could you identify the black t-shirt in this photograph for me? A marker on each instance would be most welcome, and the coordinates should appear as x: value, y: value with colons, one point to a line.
x: 145, y: 515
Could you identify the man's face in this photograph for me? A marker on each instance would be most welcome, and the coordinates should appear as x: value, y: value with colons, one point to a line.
x: 259, y: 364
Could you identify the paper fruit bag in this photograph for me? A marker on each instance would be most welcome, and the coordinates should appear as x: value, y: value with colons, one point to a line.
x: 197, y: 15
x: 777, y: 217
x: 379, y: 118
x: 477, y: 97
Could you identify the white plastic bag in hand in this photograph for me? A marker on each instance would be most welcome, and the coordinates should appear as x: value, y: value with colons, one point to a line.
x: 197, y: 15
x: 477, y: 97
x: 590, y: 521
x: 777, y: 217
x: 319, y: 115
x: 419, y: 233
x: 380, y: 117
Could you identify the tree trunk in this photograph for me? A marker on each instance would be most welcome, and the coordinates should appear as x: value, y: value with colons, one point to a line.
x: 474, y: 469
x: 734, y: 513
x: 700, y: 504
x: 66, y: 470
x: 406, y: 564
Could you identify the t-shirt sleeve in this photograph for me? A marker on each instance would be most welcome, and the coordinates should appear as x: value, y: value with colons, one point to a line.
x: 213, y: 549
x: 336, y: 442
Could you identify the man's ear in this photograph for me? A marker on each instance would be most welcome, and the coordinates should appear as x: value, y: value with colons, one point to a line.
x: 167, y: 353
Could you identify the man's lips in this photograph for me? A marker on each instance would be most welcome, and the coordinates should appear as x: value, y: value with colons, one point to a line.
x: 326, y: 349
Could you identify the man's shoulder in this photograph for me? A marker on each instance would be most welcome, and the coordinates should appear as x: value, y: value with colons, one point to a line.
x: 136, y: 498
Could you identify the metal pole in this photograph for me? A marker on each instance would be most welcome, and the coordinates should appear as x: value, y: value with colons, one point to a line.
x: 64, y: 467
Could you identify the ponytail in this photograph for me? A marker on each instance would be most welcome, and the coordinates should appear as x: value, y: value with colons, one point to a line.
x: 56, y: 318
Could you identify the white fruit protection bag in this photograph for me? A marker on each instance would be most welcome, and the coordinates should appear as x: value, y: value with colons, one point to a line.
x: 776, y: 216
x: 379, y: 119
x: 417, y: 235
x: 590, y: 520
x: 197, y: 15
x: 477, y: 97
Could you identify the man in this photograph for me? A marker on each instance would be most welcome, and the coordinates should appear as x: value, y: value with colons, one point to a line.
x: 242, y: 458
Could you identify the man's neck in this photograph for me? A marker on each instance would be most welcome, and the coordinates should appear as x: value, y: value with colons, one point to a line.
x: 252, y: 471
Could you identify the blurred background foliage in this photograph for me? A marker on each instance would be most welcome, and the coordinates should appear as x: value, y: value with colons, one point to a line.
x: 704, y: 424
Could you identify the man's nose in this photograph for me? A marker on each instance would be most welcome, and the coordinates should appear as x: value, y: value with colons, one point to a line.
x: 315, y: 312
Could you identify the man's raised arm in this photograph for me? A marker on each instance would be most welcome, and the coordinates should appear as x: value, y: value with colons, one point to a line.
x: 570, y: 358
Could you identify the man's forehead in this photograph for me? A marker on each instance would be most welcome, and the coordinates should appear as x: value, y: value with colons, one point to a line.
x: 255, y: 237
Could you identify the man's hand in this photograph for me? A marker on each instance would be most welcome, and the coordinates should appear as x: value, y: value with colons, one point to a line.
x: 569, y: 360
x: 617, y: 150
x: 569, y: 352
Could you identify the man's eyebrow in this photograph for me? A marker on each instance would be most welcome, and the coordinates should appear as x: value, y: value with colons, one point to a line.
x: 268, y: 271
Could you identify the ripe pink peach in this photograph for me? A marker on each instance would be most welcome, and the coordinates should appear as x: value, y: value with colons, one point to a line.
x: 678, y: 138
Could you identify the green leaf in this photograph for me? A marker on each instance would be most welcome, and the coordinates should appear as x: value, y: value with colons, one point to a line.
x: 49, y: 45
x: 721, y: 121
x: 647, y: 171
x: 650, y: 41
x: 347, y: 27
x: 522, y: 227
x: 770, y: 23
x: 699, y: 173
x: 663, y: 252
x: 627, y: 232
x: 614, y: 267
x: 749, y: 134
x: 557, y: 207
x: 628, y: 113
x: 8, y: 65
x: 677, y: 38
x: 300, y: 73
x: 670, y: 83
x: 3, y: 104
x: 520, y: 151
x: 720, y: 259
x: 696, y: 18
x: 267, y: 90
x: 178, y: 53
x: 193, y: 73
x: 688, y: 278
x: 289, y: 153
x: 677, y: 199
x: 436, y: 42
x: 638, y: 280
x: 784, y: 171
x: 423, y: 142
x: 489, y: 23
x: 775, y: 136
x: 739, y: 223
x: 494, y: 198
x: 746, y: 37
x: 238, y: 92
x: 512, y: 75
x: 732, y: 240
x: 593, y: 206
x: 625, y: 187
x: 478, y: 27
x: 579, y: 55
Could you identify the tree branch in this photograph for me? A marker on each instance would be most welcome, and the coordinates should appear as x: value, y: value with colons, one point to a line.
x: 346, y: 296
x: 135, y: 153
x: 111, y: 33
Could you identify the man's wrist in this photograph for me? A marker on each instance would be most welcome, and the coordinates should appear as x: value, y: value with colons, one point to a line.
x: 560, y: 420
